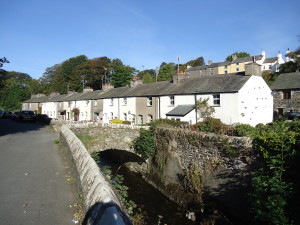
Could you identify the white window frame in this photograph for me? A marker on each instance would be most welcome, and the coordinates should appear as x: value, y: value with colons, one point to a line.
x: 172, y: 100
x: 216, y: 100
x: 149, y: 101
x: 125, y: 101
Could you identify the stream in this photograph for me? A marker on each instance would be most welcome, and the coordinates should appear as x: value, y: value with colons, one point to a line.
x: 153, y: 204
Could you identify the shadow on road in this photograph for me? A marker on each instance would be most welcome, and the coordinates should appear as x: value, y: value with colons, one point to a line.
x: 8, y: 126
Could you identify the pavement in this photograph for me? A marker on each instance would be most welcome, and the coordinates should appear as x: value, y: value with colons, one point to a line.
x: 33, y: 183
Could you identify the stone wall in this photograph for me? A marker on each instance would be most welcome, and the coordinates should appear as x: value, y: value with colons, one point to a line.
x: 189, y: 166
x: 287, y: 104
x: 101, y: 205
x: 109, y: 138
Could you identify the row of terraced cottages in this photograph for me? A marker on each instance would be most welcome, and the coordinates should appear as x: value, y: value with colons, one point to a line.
x: 235, y: 98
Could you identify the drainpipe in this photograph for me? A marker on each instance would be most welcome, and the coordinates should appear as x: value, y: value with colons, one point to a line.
x: 195, y: 96
x: 119, y: 108
x: 159, y: 107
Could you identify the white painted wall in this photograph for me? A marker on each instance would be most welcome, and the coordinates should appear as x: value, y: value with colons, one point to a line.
x: 110, y: 109
x: 129, y: 108
x: 85, y: 108
x: 50, y: 109
x: 255, y: 102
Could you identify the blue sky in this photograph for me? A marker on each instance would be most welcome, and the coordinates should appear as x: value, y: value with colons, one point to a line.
x: 36, y: 34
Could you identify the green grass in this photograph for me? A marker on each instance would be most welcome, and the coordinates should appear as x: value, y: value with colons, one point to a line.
x: 87, y: 140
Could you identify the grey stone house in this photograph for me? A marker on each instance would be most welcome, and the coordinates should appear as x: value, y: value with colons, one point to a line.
x: 286, y: 93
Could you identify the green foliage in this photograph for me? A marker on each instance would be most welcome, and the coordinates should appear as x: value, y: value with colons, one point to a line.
x: 117, y: 182
x: 238, y: 54
x: 195, y: 180
x: 166, y: 71
x: 212, y: 125
x: 96, y: 157
x: 87, y: 140
x: 275, y: 184
x: 269, y: 199
x: 144, y: 144
x: 245, y: 130
x: 203, y: 109
x: 167, y: 123
x: 121, y: 75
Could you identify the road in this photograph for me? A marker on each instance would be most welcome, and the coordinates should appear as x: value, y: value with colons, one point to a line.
x: 33, y: 184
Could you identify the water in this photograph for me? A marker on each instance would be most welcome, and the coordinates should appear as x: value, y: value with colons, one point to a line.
x: 154, y: 205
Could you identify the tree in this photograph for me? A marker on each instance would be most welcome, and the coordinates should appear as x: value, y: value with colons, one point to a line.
x: 291, y: 66
x: 120, y: 75
x: 166, y: 71
x: 203, y: 109
x: 65, y: 78
x: 238, y: 55
x: 147, y: 78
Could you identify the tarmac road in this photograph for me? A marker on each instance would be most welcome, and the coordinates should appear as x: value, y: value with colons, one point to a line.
x: 33, y: 185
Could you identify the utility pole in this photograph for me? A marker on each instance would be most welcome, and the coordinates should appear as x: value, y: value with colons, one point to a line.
x: 178, y: 64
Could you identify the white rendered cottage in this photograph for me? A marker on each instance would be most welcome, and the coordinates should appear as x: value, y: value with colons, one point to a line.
x: 235, y: 98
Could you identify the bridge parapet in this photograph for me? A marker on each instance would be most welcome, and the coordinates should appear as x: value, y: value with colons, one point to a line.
x: 100, y: 202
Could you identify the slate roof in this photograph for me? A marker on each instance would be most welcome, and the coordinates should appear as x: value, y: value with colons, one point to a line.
x: 37, y: 100
x: 181, y: 110
x: 271, y: 60
x: 197, y: 85
x: 247, y: 59
x: 287, y: 81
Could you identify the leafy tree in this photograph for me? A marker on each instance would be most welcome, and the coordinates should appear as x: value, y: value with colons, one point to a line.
x: 152, y: 73
x: 238, y: 55
x: 16, y: 94
x: 197, y: 62
x: 166, y: 71
x: 3, y: 60
x: 120, y: 75
x: 147, y: 78
x: 64, y: 77
x: 291, y: 66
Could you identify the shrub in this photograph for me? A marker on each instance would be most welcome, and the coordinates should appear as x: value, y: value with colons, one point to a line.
x: 144, y: 144
x: 212, y: 125
x: 117, y: 121
x: 167, y: 123
x: 245, y: 130
x: 126, y: 122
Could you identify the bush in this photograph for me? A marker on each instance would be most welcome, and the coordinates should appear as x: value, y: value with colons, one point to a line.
x: 144, y: 144
x: 245, y: 130
x: 126, y: 122
x: 212, y: 125
x: 167, y: 123
x: 117, y: 121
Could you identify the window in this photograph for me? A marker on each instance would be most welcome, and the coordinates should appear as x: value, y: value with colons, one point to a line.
x: 149, y: 101
x: 237, y: 69
x: 125, y: 116
x: 286, y: 94
x: 112, y: 115
x: 225, y: 67
x: 225, y: 72
x: 216, y: 99
x: 150, y: 118
x: 111, y: 101
x: 95, y: 103
x: 237, y: 64
x: 124, y: 101
x: 141, y: 120
x: 172, y: 101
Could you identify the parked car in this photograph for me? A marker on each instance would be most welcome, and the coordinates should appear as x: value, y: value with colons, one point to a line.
x: 26, y: 115
x: 293, y: 115
x: 15, y: 115
x: 6, y: 114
